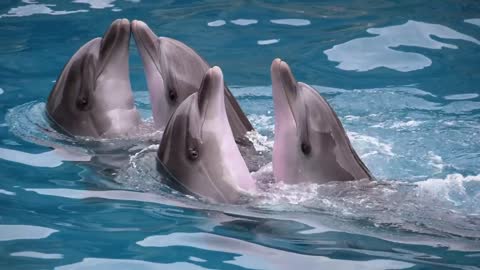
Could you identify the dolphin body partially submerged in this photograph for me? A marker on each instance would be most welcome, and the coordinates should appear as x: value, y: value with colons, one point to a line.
x: 310, y: 143
x: 198, y: 149
x: 93, y: 95
x: 174, y: 71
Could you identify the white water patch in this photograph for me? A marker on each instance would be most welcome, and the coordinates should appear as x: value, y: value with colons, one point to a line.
x: 50, y: 159
x: 19, y: 232
x: 34, y: 9
x: 370, y: 145
x: 351, y: 117
x: 461, y: 107
x: 458, y: 189
x: 5, y: 192
x: 37, y: 255
x: 255, y: 256
x: 1, y: 91
x: 461, y: 96
x: 267, y: 41
x: 114, y: 264
x: 475, y: 21
x: 406, y: 124
x: 196, y: 259
x: 216, y: 23
x: 244, y: 22
x: 260, y: 142
x: 435, y: 161
x: 364, y: 54
x: 291, y: 22
x: 97, y: 4
x: 262, y: 122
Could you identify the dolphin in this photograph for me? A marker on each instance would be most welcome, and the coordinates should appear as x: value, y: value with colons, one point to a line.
x: 93, y: 95
x: 310, y: 143
x: 173, y: 72
x: 198, y: 151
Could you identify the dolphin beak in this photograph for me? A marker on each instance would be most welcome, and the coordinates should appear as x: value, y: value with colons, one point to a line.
x: 146, y: 40
x: 116, y: 38
x: 284, y: 89
x: 114, y: 47
x: 211, y: 94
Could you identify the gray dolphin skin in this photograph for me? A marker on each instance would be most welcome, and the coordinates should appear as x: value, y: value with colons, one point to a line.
x: 198, y: 149
x: 174, y: 71
x: 310, y: 143
x: 93, y: 95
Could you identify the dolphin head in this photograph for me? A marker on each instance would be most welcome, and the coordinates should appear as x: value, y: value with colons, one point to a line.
x: 198, y: 149
x: 93, y: 95
x: 172, y: 69
x: 310, y: 143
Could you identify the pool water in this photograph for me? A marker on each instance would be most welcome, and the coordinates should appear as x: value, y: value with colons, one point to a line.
x: 403, y: 77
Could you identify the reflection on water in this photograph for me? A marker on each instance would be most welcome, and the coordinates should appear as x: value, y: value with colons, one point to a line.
x: 244, y: 22
x: 475, y: 21
x: 292, y: 22
x: 254, y: 256
x: 50, y: 159
x: 363, y: 54
x: 37, y: 255
x: 32, y: 9
x: 16, y: 232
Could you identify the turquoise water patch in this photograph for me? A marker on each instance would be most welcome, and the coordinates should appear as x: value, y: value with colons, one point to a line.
x: 402, y: 76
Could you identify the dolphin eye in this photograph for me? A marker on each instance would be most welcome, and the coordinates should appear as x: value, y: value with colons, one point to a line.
x: 82, y: 102
x: 306, y: 148
x: 192, y: 153
x: 172, y: 95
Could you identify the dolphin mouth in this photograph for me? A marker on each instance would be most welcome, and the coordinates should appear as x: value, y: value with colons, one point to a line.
x: 115, y: 43
x: 146, y: 40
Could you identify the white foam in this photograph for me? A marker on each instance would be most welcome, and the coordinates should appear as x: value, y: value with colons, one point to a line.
x: 112, y: 264
x: 260, y: 142
x: 216, y: 23
x: 351, y: 117
x: 370, y: 145
x: 461, y: 96
x: 1, y: 91
x: 33, y: 9
x: 267, y: 41
x: 254, y: 256
x: 363, y: 54
x: 407, y: 124
x: 475, y: 21
x: 292, y: 22
x: 50, y: 159
x: 244, y: 22
x: 97, y: 4
x: 262, y: 121
x: 435, y: 160
x: 18, y: 232
x: 37, y: 255
x: 450, y: 188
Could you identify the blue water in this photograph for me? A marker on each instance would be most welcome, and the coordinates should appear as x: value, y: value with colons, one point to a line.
x: 403, y: 76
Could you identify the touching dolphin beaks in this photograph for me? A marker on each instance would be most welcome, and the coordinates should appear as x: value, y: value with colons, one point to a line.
x: 173, y: 72
x: 93, y: 95
x: 310, y: 142
x: 198, y: 149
